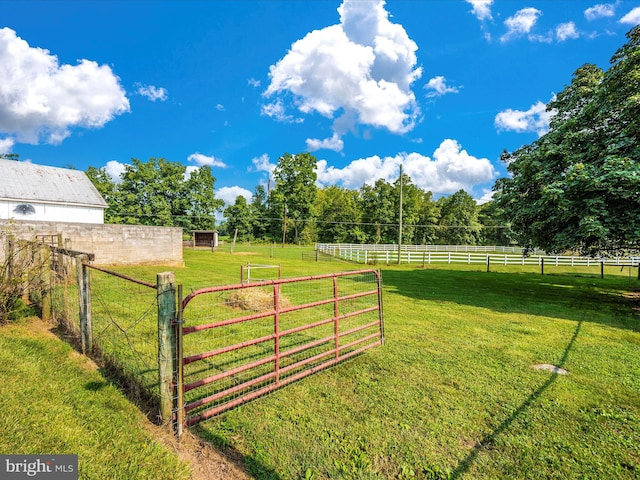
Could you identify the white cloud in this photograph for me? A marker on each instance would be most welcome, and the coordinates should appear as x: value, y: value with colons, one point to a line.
x: 521, y: 23
x: 41, y: 100
x: 599, y: 11
x: 450, y: 170
x: 566, y: 31
x: 115, y: 169
x: 277, y: 111
x: 229, y: 194
x: 201, y: 160
x: 481, y: 9
x: 220, y: 107
x: 253, y: 82
x: 262, y: 164
x: 438, y: 86
x: 536, y: 119
x: 361, y: 69
x: 6, y: 144
x: 334, y: 143
x: 152, y: 93
x: 487, y: 196
x: 632, y: 18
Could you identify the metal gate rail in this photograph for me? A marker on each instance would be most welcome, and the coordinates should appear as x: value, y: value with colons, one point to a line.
x: 356, y: 316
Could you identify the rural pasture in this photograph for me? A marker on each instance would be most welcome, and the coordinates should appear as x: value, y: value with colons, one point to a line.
x: 453, y: 393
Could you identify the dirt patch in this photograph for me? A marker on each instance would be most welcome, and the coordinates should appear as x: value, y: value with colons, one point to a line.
x: 207, y: 463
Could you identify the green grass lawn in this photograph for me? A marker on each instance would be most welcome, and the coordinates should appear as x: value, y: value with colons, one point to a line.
x: 452, y: 394
x: 53, y: 401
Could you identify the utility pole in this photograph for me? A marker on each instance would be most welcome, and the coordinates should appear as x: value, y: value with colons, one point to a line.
x: 284, y: 224
x: 400, y: 226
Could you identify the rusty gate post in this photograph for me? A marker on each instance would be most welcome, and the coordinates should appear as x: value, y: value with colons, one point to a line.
x: 166, y: 340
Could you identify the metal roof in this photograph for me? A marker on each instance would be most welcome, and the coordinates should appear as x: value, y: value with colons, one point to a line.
x: 25, y: 181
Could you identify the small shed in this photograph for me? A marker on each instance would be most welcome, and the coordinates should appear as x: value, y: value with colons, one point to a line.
x: 42, y: 193
x: 205, y: 238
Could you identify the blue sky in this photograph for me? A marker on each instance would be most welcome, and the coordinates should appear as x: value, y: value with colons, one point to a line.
x: 439, y: 86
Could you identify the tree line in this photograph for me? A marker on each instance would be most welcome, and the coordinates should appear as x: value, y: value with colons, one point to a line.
x: 297, y: 211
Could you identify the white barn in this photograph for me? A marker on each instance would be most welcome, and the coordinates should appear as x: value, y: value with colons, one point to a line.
x: 41, y: 193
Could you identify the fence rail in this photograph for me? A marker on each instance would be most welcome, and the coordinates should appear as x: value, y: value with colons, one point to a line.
x: 362, y: 254
x: 329, y: 248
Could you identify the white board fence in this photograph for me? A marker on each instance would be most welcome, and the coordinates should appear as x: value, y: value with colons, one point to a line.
x: 422, y: 254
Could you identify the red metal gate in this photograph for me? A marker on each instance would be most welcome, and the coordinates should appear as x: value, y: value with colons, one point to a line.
x: 239, y: 342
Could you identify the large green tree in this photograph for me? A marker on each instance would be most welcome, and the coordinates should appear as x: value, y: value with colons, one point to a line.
x: 338, y: 215
x: 411, y: 203
x: 458, y: 219
x: 239, y: 217
x: 577, y: 188
x: 159, y: 192
x: 495, y: 228
x: 295, y: 193
x: 379, y: 212
x: 260, y: 213
x: 428, y: 217
x: 202, y: 204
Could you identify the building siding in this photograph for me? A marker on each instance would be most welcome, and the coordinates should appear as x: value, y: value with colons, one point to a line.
x: 43, y: 212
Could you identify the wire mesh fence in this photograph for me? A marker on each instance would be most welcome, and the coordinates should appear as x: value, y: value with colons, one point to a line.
x: 63, y: 293
x: 232, y: 344
x: 24, y: 270
x: 124, y: 329
x: 243, y: 341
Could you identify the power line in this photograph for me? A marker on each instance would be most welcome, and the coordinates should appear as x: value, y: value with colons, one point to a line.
x: 324, y: 222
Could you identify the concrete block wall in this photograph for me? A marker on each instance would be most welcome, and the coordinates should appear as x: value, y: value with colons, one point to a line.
x: 111, y: 244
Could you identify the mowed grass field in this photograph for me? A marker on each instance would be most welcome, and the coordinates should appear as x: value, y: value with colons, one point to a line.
x: 453, y: 393
x: 55, y: 401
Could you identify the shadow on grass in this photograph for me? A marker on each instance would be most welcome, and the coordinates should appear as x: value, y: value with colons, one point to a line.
x: 559, y: 296
x: 246, y: 462
x: 127, y: 382
x: 149, y: 404
x: 488, y: 441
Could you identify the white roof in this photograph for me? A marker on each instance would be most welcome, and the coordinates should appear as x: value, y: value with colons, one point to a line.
x: 28, y: 182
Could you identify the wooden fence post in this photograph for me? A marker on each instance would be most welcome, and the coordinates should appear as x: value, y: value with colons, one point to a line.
x: 179, y: 369
x: 541, y: 265
x: 9, y: 257
x: 167, y: 348
x: 45, y: 282
x: 84, y: 303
